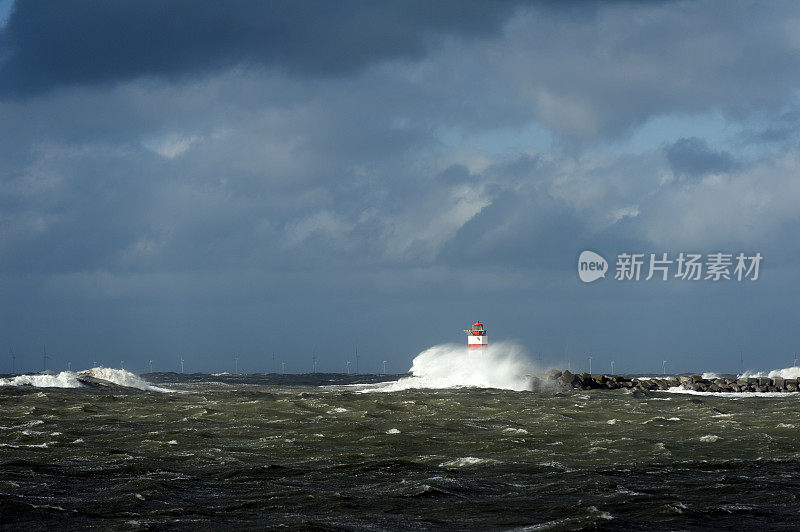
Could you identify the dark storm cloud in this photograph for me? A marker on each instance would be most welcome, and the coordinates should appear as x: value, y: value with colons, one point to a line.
x: 693, y: 157
x: 49, y: 44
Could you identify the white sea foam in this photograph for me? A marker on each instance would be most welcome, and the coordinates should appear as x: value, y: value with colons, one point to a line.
x: 502, y: 365
x: 69, y: 379
x: 786, y: 373
x: 710, y: 375
x: 733, y: 395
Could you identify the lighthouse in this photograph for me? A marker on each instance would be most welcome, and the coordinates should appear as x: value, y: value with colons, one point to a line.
x: 476, y: 337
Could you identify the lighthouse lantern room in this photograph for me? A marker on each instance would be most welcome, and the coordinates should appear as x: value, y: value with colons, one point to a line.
x: 476, y: 337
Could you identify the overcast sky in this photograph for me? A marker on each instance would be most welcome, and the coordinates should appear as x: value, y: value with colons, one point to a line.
x: 204, y: 178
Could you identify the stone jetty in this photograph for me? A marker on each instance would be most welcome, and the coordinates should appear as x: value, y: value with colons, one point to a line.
x: 554, y: 380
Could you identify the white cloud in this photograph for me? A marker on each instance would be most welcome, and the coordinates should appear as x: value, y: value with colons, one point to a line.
x: 749, y: 206
x: 172, y: 145
x: 323, y: 223
x: 418, y: 232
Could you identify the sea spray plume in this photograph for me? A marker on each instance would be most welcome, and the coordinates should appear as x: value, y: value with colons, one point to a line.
x: 500, y: 365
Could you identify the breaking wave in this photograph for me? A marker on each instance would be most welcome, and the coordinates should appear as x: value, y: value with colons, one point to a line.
x: 123, y: 378
x: 786, y: 373
x: 65, y: 379
x: 501, y: 365
x: 69, y: 379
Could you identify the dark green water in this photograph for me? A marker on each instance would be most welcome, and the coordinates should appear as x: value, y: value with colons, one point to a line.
x: 229, y: 454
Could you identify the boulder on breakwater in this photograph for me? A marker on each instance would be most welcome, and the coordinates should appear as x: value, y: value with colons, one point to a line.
x: 554, y: 380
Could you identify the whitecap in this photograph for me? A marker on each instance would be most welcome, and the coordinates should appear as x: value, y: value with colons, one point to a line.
x: 600, y: 514
x: 710, y: 438
x: 468, y: 461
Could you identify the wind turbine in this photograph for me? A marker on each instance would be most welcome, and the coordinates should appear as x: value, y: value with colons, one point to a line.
x: 181, y: 364
x: 612, y: 367
x: 384, y: 367
x: 347, y: 364
x: 236, y: 364
x: 590, y: 364
x: 45, y: 357
x: 151, y: 366
x: 664, y: 367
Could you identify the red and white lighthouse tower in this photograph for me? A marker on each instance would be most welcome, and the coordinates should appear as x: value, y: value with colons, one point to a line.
x: 476, y: 337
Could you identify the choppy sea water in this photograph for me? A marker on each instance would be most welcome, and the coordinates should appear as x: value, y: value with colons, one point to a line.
x: 275, y: 451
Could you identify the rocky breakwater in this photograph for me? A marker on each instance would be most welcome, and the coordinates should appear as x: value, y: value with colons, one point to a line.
x: 554, y: 380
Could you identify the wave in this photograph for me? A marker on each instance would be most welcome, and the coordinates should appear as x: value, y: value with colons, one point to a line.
x: 502, y: 365
x: 792, y: 372
x: 69, y: 379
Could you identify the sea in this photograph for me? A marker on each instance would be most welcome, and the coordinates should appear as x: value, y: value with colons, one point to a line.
x: 106, y: 449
